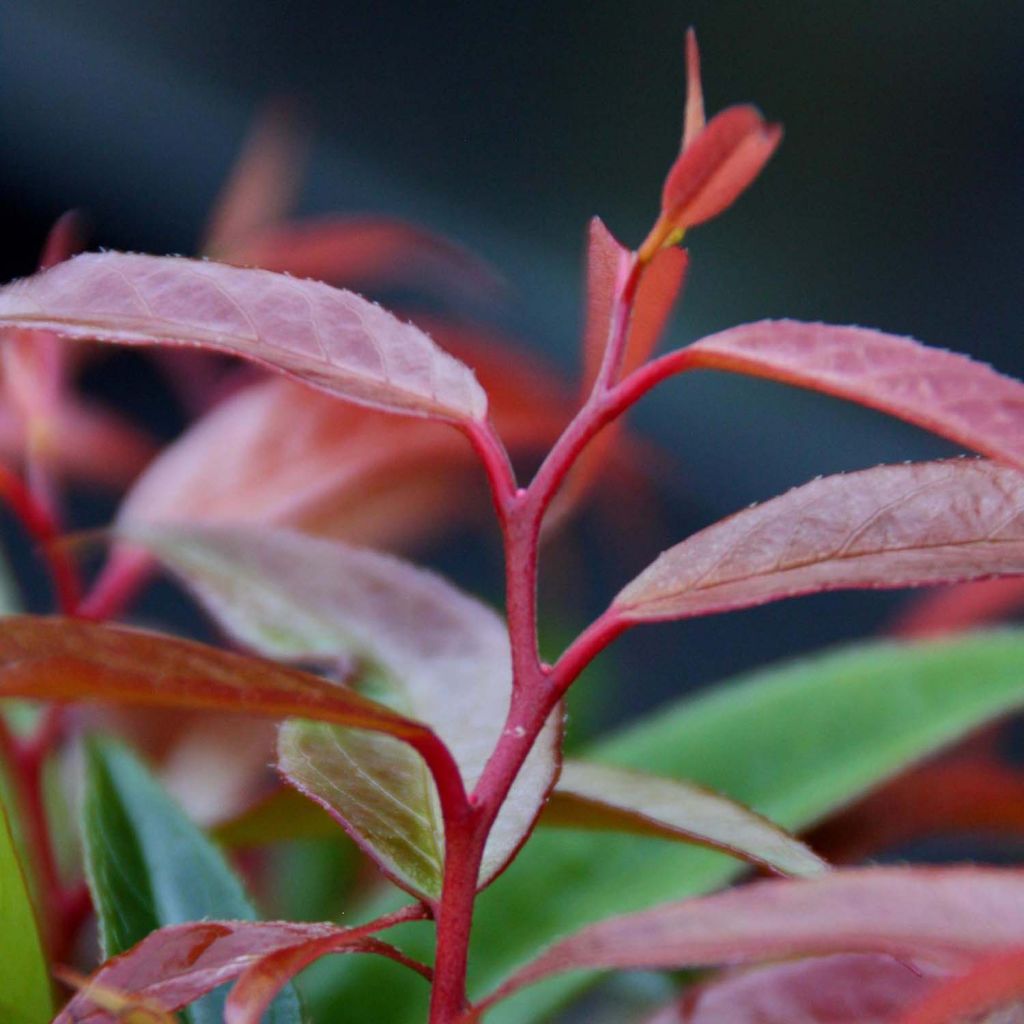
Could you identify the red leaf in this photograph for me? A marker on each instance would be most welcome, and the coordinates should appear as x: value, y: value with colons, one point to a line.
x: 70, y: 660
x: 844, y: 989
x: 959, y: 608
x: 711, y: 173
x: 893, y: 526
x: 175, y: 966
x: 964, y: 794
x: 326, y: 337
x: 345, y: 471
x: 261, y: 188
x: 948, y: 394
x: 256, y: 988
x: 948, y: 917
x: 366, y: 252
x: 607, y: 260
x: 994, y: 983
x: 693, y: 121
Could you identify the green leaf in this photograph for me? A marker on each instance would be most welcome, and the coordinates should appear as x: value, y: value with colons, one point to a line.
x: 25, y: 995
x: 149, y: 866
x: 794, y: 743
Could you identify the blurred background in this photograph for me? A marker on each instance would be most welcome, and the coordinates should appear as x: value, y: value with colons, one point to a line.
x: 895, y: 201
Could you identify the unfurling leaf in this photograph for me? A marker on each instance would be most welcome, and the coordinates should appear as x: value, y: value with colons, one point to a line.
x: 951, y: 395
x: 591, y: 795
x: 323, y: 336
x: 893, y: 526
x: 174, y: 966
x: 857, y: 988
x: 949, y: 917
x: 150, y: 866
x: 430, y: 650
x: 25, y: 996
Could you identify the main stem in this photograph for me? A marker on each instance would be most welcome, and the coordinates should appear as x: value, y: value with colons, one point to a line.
x: 536, y: 687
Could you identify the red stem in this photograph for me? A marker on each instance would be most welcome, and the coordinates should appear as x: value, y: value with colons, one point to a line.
x: 537, y: 688
x: 45, y: 532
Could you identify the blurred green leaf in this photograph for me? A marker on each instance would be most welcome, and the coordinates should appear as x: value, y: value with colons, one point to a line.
x: 25, y: 993
x: 150, y: 866
x: 794, y: 743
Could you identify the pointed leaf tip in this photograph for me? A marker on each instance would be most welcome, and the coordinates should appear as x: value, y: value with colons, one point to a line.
x: 693, y: 122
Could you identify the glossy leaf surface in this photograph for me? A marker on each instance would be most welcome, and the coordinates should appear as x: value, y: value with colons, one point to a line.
x: 946, y: 916
x: 433, y: 651
x: 591, y: 795
x: 25, y: 994
x: 331, y: 339
x: 149, y: 866
x: 949, y: 394
x: 843, y: 989
x: 70, y: 660
x: 892, y: 526
x: 179, y: 964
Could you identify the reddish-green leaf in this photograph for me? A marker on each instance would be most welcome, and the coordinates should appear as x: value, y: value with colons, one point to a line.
x: 332, y: 339
x: 893, y: 526
x: 430, y: 650
x: 591, y: 795
x: 70, y: 660
x: 174, y: 966
x: 843, y: 989
x: 948, y: 917
x: 996, y: 983
x: 948, y: 394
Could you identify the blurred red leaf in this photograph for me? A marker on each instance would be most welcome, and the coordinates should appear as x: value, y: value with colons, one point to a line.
x: 959, y: 608
x: 844, y: 989
x: 358, y: 251
x: 892, y: 526
x: 949, y: 917
x: 261, y: 188
x: 693, y: 119
x: 962, y: 794
x: 326, y: 337
x: 995, y: 983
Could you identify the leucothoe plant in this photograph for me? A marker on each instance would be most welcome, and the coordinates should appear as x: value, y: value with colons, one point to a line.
x: 425, y: 724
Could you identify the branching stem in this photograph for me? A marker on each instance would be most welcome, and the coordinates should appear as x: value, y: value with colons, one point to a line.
x: 537, y: 688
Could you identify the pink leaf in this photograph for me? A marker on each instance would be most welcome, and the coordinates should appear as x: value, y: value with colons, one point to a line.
x: 693, y: 121
x: 948, y: 917
x: 607, y: 260
x: 175, y: 966
x: 323, y: 336
x: 844, y: 989
x: 590, y: 795
x: 893, y: 526
x: 953, y: 396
